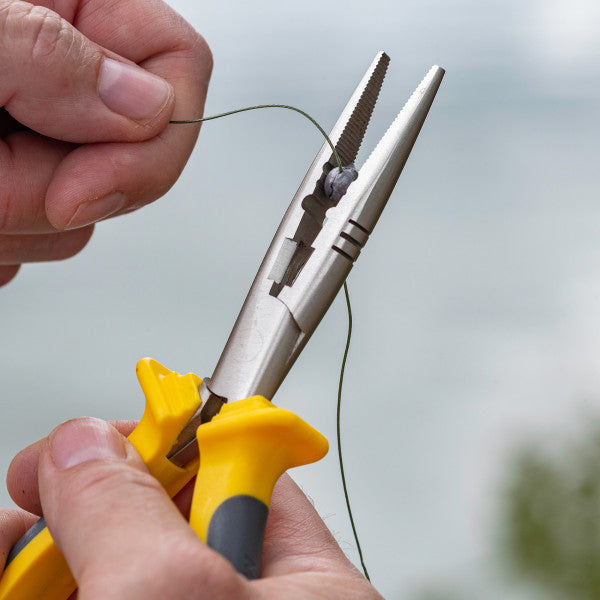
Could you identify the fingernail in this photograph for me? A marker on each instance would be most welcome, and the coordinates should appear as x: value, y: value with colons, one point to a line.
x: 80, y: 440
x: 132, y: 91
x: 94, y: 210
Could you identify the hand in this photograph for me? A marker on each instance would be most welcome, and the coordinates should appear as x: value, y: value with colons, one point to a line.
x: 124, y: 538
x: 87, y: 88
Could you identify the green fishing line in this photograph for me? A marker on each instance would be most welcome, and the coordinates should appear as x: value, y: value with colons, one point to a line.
x: 346, y: 293
x: 339, y: 435
x: 239, y: 110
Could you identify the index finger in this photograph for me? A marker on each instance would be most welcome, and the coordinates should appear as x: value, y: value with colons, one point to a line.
x: 164, y: 44
x: 13, y: 525
x: 22, y: 476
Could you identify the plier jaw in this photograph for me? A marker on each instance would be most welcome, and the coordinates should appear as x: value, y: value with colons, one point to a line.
x: 318, y: 241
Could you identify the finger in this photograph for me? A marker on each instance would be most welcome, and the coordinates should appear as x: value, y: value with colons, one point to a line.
x: 108, y: 515
x: 21, y: 479
x: 7, y: 273
x: 64, y: 86
x: 22, y: 476
x: 162, y: 43
x: 130, y: 177
x: 296, y: 539
x: 134, y: 174
x: 13, y: 525
x: 28, y: 162
x: 297, y: 544
x: 183, y: 499
x: 42, y: 246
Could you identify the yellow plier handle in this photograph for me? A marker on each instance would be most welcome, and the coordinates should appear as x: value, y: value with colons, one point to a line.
x: 244, y: 451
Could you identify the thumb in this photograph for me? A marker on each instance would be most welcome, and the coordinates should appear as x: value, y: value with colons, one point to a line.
x: 59, y: 83
x: 117, y: 528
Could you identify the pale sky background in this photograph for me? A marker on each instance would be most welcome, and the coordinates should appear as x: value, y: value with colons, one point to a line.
x: 476, y: 301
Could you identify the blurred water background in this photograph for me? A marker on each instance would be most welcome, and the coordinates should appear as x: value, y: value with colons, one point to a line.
x: 470, y: 417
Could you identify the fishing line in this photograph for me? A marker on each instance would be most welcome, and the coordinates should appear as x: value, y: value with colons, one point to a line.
x: 346, y: 294
x: 339, y: 436
x: 239, y: 110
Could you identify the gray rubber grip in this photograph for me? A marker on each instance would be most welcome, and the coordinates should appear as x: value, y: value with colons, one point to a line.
x: 36, y: 528
x: 237, y: 530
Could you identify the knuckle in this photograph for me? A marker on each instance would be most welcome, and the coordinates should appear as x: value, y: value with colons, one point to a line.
x: 90, y: 482
x: 203, y: 50
x: 203, y: 57
x: 108, y: 480
x: 34, y: 32
x: 8, y: 12
x: 50, y: 33
x: 193, y: 46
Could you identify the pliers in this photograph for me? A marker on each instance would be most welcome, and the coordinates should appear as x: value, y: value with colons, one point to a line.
x: 246, y: 442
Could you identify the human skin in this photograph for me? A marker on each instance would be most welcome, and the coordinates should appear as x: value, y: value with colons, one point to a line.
x: 87, y: 88
x: 95, y: 489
